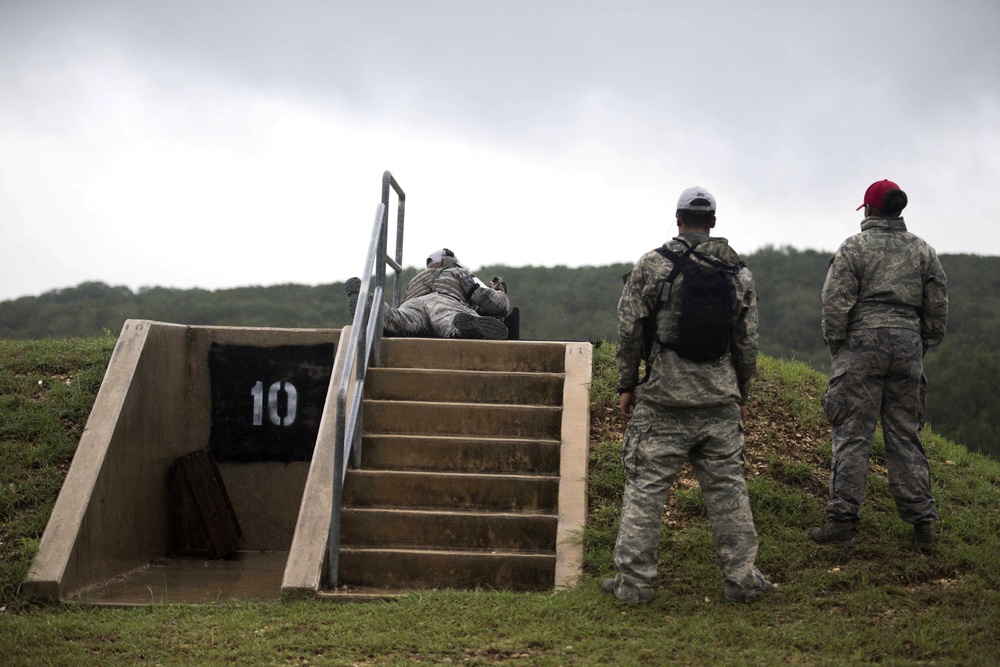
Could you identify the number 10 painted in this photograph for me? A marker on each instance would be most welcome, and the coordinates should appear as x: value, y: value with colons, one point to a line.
x: 291, y: 403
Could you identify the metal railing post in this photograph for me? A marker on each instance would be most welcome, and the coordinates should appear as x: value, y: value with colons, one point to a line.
x: 363, y: 347
x: 387, y: 182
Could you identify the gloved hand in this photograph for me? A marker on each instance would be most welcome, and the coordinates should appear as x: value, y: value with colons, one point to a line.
x: 499, y: 284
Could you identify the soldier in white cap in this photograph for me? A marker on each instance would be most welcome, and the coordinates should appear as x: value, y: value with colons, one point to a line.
x: 697, y: 299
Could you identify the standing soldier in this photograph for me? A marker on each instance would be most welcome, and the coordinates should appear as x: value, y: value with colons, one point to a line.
x: 698, y: 299
x: 885, y: 303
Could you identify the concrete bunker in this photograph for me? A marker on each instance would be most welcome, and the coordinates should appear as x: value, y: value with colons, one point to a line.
x: 124, y: 529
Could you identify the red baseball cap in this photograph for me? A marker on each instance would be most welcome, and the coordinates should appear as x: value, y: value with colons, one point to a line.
x: 876, y: 192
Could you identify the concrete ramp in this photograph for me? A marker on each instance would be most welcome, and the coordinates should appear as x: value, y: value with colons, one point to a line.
x: 474, y: 467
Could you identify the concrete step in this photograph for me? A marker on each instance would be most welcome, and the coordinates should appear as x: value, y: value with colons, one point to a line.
x: 448, y: 530
x: 470, y: 419
x: 450, y: 491
x: 425, y: 568
x: 415, y: 384
x: 459, y: 486
x: 460, y: 454
x: 473, y: 355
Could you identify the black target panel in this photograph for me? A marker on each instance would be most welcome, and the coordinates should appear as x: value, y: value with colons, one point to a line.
x: 267, y: 401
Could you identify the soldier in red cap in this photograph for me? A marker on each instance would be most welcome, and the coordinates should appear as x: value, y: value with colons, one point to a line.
x: 885, y: 303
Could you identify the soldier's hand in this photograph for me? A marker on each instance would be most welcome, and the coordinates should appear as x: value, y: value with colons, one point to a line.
x: 499, y: 284
x: 626, y: 403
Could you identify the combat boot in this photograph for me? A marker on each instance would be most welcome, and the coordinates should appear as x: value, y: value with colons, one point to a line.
x: 631, y: 596
x: 839, y: 533
x: 923, y: 536
x: 473, y: 326
x: 735, y: 593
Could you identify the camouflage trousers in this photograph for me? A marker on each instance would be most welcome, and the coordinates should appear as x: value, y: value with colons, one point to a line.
x: 427, y: 315
x: 657, y: 442
x: 878, y: 373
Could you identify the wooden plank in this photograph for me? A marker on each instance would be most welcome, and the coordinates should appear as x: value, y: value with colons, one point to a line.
x: 215, y: 509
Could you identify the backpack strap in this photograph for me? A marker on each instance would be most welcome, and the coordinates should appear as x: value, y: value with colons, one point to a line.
x: 678, y: 260
x: 649, y: 327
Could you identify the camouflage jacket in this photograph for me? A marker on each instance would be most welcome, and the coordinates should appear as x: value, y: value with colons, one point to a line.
x: 460, y: 284
x: 885, y: 277
x: 675, y: 381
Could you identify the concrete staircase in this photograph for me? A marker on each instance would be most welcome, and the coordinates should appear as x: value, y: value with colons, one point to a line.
x: 470, y: 476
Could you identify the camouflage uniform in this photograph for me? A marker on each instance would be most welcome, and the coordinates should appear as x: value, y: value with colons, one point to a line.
x: 885, y: 303
x: 685, y: 411
x: 435, y: 296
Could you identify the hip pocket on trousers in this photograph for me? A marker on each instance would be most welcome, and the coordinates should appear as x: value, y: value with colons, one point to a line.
x: 833, y: 400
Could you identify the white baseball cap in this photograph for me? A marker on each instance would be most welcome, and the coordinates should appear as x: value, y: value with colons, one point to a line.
x: 696, y: 199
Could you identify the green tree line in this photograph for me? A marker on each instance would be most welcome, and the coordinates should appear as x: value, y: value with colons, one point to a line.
x: 562, y: 303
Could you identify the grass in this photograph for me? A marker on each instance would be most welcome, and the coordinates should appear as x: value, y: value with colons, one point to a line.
x: 46, y: 391
x: 879, y: 602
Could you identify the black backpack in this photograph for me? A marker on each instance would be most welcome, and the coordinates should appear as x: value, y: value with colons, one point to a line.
x: 708, y: 294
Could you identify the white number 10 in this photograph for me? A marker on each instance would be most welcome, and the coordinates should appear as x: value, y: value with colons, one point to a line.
x: 272, y: 403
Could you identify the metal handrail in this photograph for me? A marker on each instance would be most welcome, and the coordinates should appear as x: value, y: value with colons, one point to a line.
x: 363, y: 347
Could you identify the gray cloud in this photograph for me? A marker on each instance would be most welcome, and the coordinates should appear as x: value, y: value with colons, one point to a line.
x: 788, y: 109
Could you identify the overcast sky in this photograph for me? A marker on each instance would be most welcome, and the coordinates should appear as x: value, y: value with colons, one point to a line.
x: 221, y: 144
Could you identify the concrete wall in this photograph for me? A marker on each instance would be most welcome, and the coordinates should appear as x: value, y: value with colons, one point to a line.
x: 306, y: 568
x: 114, y: 510
x: 573, y: 464
x: 265, y: 495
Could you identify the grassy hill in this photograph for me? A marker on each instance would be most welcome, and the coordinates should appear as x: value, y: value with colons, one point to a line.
x: 562, y: 303
x: 878, y: 602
